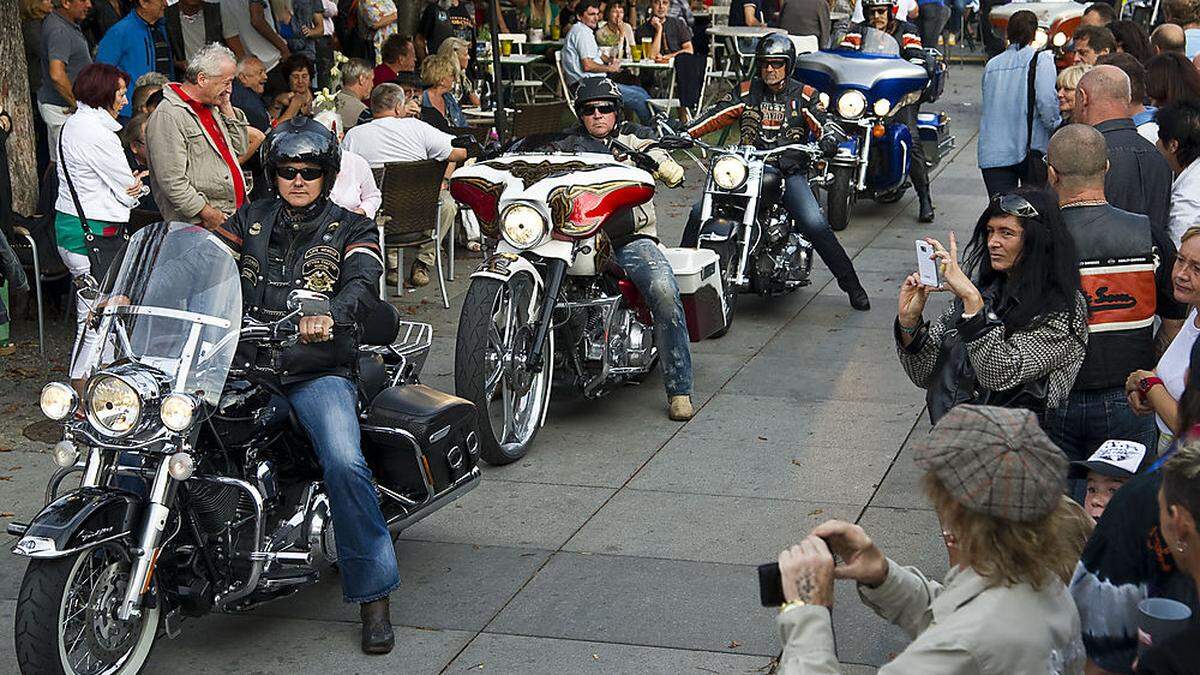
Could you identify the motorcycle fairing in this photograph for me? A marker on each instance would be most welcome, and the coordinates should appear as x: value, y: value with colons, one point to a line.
x: 890, y: 157
x: 833, y: 72
x: 77, y: 520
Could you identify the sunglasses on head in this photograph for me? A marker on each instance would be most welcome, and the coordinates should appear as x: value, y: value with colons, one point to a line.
x: 308, y: 173
x: 1015, y: 205
x: 602, y: 108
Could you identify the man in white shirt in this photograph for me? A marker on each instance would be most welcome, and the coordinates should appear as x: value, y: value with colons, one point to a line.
x: 191, y: 24
x: 394, y: 135
x: 1179, y: 142
x: 581, y: 58
x: 254, y: 24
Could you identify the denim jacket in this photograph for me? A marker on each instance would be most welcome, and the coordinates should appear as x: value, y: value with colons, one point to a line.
x: 1003, y: 139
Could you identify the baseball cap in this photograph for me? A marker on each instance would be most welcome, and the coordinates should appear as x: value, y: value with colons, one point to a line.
x: 1114, y: 458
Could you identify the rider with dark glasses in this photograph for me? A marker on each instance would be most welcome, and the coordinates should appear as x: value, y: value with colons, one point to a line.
x: 1016, y: 333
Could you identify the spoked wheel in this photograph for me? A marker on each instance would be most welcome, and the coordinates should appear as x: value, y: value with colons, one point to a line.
x: 491, y: 369
x: 66, y: 620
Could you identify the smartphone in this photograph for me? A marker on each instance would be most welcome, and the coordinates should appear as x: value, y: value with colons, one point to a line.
x: 927, y: 267
x: 770, y: 585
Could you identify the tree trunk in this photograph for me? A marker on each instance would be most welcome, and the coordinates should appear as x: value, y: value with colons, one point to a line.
x: 14, y: 96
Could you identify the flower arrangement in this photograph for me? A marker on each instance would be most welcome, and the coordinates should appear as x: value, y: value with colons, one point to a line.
x: 326, y: 99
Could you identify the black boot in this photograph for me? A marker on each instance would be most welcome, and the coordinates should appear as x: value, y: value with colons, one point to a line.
x: 858, y: 295
x: 926, y: 203
x: 377, y: 636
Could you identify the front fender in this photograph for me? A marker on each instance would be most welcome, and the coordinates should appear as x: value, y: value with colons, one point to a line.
x: 503, y: 266
x: 719, y: 229
x: 77, y: 520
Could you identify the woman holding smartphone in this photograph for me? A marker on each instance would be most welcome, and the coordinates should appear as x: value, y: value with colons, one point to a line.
x: 1016, y: 332
x: 1158, y: 391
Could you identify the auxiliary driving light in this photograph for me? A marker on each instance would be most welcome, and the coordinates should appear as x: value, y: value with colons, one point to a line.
x: 57, y: 401
x: 177, y: 411
x: 181, y: 466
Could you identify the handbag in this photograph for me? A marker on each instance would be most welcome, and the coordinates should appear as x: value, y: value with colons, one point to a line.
x: 1035, y: 160
x: 101, y: 250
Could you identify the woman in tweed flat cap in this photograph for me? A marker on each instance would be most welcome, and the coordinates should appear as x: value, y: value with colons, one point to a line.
x: 996, y: 482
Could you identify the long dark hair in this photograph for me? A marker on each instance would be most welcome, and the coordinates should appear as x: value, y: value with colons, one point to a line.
x: 1189, y: 403
x: 1045, y: 278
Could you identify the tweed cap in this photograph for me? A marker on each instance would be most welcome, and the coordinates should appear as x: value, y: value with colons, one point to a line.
x: 995, y: 461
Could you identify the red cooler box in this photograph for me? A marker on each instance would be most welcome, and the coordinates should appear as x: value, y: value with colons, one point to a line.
x: 699, y: 277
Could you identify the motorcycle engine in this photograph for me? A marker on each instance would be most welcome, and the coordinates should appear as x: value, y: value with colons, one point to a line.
x: 630, y: 342
x: 784, y: 261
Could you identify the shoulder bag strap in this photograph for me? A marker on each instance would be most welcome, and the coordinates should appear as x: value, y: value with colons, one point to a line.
x: 87, y: 231
x: 1030, y: 100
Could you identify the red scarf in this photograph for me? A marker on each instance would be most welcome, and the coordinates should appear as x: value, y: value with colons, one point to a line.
x: 209, y: 123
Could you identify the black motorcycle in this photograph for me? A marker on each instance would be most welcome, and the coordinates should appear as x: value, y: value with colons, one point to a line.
x: 199, y: 492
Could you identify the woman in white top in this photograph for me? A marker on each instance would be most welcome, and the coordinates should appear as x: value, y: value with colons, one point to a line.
x: 355, y: 189
x: 615, y: 33
x: 107, y: 188
x: 1158, y: 391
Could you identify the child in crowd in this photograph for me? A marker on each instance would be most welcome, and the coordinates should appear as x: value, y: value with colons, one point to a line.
x: 1113, y: 463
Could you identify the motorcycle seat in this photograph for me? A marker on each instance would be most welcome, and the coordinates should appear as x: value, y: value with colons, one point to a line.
x: 372, y: 375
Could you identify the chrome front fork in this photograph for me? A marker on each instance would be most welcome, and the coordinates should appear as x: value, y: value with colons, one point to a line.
x: 146, y: 554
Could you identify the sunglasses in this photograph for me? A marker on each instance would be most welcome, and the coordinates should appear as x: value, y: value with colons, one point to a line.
x: 1015, y: 205
x: 774, y: 65
x: 603, y: 109
x: 308, y: 173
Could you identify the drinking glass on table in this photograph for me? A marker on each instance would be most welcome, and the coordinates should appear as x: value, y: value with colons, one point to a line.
x: 646, y: 47
x: 635, y: 52
x: 506, y: 48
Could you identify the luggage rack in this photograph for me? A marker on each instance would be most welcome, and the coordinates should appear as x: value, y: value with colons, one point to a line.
x: 406, y: 355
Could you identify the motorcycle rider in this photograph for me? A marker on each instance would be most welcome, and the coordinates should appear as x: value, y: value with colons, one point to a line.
x: 300, y: 239
x: 778, y: 110
x: 881, y: 15
x: 634, y: 235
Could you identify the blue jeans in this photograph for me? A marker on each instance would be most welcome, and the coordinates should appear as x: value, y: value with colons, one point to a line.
x: 326, y: 408
x: 637, y: 98
x: 1089, y: 418
x: 802, y: 206
x: 651, y: 272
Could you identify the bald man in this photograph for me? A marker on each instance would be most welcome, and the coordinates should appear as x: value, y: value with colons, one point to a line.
x: 1168, y: 37
x: 1123, y: 299
x: 1138, y: 179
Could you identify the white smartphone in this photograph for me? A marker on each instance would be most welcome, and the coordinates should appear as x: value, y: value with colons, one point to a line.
x: 927, y: 267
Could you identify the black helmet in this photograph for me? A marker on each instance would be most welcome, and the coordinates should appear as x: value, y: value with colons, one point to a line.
x: 891, y: 4
x: 593, y: 89
x: 775, y: 46
x: 301, y: 139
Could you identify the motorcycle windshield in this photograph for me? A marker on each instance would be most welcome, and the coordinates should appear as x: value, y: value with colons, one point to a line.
x: 874, y: 42
x: 173, y: 301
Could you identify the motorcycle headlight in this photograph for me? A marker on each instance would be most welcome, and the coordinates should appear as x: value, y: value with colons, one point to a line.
x: 523, y: 226
x: 177, y: 411
x: 729, y: 172
x: 113, y: 405
x: 882, y: 107
x: 852, y: 104
x: 1059, y: 40
x: 57, y: 401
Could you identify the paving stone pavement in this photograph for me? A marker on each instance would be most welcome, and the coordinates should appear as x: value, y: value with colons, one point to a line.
x: 626, y: 543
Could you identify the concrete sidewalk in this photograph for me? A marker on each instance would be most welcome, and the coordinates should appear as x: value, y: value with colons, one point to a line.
x: 627, y: 543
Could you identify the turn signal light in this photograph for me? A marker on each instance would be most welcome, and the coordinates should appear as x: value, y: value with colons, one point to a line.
x: 877, y: 131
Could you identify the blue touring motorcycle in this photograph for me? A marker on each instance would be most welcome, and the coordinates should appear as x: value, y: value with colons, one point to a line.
x: 866, y: 89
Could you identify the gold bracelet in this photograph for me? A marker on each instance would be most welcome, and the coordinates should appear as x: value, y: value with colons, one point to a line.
x: 788, y: 606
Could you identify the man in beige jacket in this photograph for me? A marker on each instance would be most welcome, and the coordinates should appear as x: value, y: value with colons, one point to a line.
x: 195, y: 139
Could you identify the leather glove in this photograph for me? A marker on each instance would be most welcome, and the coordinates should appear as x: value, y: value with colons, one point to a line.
x: 676, y: 125
x: 670, y: 173
x: 832, y: 136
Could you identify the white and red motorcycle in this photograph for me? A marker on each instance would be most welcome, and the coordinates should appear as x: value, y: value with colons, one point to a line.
x: 550, y: 300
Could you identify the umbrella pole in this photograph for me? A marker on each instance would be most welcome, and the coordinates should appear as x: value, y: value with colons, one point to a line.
x: 501, y: 98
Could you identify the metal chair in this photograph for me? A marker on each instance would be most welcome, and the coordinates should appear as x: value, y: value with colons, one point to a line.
x: 41, y: 263
x: 411, y: 209
x: 523, y: 83
x: 540, y: 118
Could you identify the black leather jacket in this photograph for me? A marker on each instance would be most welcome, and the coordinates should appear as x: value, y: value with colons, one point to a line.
x: 331, y: 251
x: 766, y: 119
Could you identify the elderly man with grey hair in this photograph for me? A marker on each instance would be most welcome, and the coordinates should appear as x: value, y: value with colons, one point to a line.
x: 1138, y: 179
x: 396, y: 134
x: 195, y: 140
x: 358, y: 79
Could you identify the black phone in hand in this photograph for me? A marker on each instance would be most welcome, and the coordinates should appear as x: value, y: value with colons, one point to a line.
x: 770, y: 585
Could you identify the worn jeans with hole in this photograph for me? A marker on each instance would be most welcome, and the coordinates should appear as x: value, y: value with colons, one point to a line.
x: 1089, y: 418
x: 326, y: 408
x: 651, y: 272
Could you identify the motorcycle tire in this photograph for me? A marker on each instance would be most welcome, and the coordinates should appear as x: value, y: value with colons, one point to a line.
x: 470, y: 371
x: 40, y: 619
x: 840, y: 197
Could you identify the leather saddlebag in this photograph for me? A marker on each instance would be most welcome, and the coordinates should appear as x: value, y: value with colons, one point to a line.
x: 443, y: 427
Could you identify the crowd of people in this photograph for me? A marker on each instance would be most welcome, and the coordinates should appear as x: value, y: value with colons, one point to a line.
x: 1065, y: 452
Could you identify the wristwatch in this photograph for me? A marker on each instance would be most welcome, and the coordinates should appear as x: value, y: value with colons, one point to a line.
x: 1147, y: 383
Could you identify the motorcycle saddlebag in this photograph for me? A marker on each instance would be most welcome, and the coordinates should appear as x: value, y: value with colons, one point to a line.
x: 934, y: 128
x: 698, y: 273
x: 443, y: 427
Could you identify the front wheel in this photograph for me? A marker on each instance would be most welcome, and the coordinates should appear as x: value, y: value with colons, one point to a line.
x: 491, y: 369
x: 66, y: 621
x: 726, y: 254
x: 840, y: 197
